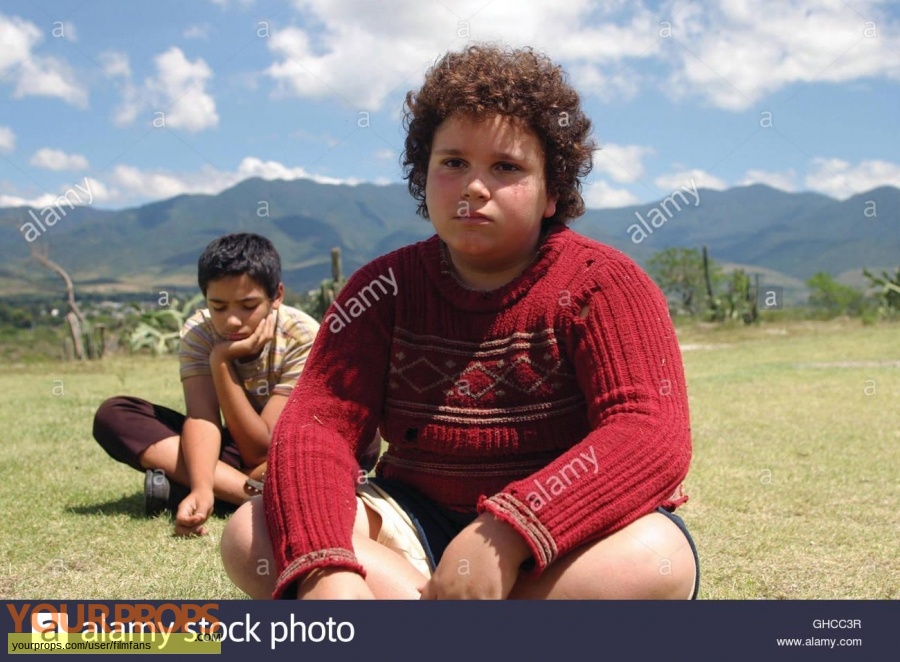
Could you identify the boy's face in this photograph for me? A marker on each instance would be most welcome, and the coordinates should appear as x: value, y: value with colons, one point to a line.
x: 237, y: 305
x: 486, y: 193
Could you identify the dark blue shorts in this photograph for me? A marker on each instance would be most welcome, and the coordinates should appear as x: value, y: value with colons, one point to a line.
x: 437, y: 526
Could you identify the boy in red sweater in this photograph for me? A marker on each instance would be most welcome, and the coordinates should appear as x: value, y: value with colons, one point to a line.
x: 527, y: 379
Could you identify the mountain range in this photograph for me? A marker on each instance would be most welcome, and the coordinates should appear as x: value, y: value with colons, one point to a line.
x: 787, y: 237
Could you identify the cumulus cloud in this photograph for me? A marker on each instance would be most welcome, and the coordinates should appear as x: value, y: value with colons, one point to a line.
x: 33, y: 74
x: 55, y: 159
x: 735, y: 53
x: 839, y: 179
x: 116, y: 64
x: 86, y: 189
x: 7, y: 139
x: 336, y: 60
x: 700, y: 178
x: 129, y: 182
x: 178, y: 90
x: 624, y: 163
x: 784, y: 181
x: 600, y: 195
x: 732, y: 54
x: 43, y: 200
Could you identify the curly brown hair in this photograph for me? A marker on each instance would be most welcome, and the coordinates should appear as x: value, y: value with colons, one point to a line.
x: 485, y: 80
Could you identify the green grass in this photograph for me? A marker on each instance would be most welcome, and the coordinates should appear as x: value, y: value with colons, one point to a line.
x: 794, y: 484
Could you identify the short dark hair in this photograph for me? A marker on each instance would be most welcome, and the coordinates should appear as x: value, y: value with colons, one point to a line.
x: 485, y: 80
x: 242, y: 253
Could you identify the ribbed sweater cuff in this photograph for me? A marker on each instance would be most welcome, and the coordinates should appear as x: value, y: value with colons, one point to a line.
x: 519, y: 516
x: 323, y: 558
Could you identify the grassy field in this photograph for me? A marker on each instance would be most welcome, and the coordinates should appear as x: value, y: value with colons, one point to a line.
x: 794, y: 486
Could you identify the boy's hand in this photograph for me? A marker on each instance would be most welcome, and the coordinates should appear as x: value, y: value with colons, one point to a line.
x: 333, y: 584
x: 193, y: 511
x: 480, y: 563
x: 252, y: 344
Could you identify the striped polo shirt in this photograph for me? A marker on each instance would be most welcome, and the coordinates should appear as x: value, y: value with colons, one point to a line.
x: 277, y: 368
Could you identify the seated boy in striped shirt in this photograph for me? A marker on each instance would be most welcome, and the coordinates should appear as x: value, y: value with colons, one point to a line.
x: 239, y: 359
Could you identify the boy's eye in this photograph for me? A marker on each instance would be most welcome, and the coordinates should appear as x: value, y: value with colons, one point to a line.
x: 453, y: 163
x: 218, y: 309
x: 507, y: 167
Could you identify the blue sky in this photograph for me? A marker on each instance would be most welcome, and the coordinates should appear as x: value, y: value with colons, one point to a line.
x: 801, y: 95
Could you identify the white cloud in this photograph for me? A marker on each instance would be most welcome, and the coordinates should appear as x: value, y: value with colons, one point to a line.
x: 44, y: 200
x: 784, y: 181
x: 134, y: 183
x: 735, y: 53
x: 700, y: 179
x: 386, y: 154
x: 178, y: 90
x: 86, y: 190
x: 600, y: 195
x: 100, y: 191
x: 337, y: 59
x: 254, y: 167
x: 624, y: 163
x: 54, y: 159
x: 33, y: 74
x: 18, y: 38
x: 127, y: 184
x: 838, y: 179
x: 151, y: 185
x: 7, y: 139
x: 730, y: 52
x: 115, y: 64
x: 50, y: 77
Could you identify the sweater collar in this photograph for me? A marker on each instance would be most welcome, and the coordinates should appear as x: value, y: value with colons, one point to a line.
x: 437, y: 265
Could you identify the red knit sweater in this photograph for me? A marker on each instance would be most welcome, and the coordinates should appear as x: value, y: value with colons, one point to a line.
x: 556, y: 402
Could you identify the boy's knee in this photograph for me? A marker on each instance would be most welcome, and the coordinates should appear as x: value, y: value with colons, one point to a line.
x: 669, y: 561
x: 237, y: 538
x: 106, y: 413
x: 246, y: 551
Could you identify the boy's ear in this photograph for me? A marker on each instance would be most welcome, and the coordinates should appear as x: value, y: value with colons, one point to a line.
x: 550, y: 209
x: 279, y: 296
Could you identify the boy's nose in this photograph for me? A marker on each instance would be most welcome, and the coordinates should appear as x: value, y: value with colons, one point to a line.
x: 233, y: 323
x: 475, y: 188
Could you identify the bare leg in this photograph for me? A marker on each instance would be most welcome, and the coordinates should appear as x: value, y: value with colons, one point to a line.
x: 650, y: 559
x: 248, y: 559
x: 388, y: 575
x: 228, y: 482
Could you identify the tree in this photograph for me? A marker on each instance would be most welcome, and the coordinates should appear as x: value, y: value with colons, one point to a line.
x: 680, y: 275
x: 832, y: 298
x: 887, y: 290
x: 86, y: 342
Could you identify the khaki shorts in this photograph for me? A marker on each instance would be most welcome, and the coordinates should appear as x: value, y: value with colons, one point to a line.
x: 397, y: 530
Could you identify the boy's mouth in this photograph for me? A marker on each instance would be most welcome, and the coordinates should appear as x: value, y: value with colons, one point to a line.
x: 473, y: 216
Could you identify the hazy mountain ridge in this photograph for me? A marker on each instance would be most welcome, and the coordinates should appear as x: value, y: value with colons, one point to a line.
x: 157, y: 244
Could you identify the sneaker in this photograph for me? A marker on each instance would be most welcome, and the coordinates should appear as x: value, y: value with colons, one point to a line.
x: 156, y: 491
x: 160, y: 494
